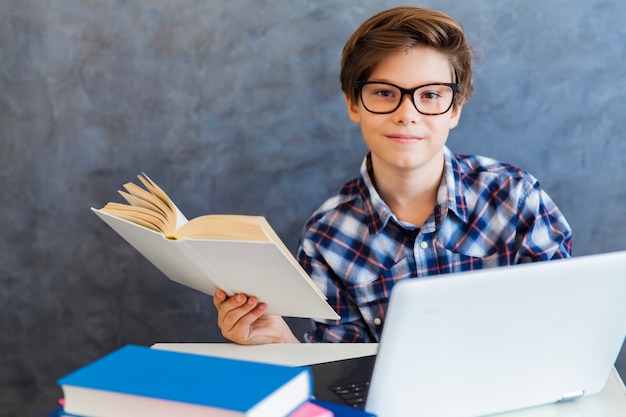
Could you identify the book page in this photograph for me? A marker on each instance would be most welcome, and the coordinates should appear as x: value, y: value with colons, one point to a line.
x: 181, y: 220
x: 227, y: 227
x: 147, y: 217
x: 155, y: 202
x: 179, y: 217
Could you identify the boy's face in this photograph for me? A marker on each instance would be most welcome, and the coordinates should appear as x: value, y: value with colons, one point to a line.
x: 407, y: 139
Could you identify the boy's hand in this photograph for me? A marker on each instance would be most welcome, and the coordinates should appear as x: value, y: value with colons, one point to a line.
x: 241, y: 319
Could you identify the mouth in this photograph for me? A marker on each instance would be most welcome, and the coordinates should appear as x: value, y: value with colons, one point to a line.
x: 404, y: 138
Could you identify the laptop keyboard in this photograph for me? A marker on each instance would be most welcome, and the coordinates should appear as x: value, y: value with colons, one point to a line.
x: 353, y: 394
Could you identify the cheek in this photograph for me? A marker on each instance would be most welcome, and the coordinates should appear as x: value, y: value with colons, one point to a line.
x: 440, y: 128
x: 370, y: 127
x: 372, y: 121
x: 441, y: 124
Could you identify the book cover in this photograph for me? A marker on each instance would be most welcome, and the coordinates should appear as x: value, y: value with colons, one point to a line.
x: 310, y: 409
x: 236, y: 253
x: 136, y: 381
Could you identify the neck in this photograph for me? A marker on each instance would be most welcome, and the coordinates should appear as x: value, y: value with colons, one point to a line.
x: 411, y: 194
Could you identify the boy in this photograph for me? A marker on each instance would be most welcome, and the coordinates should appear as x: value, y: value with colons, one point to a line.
x: 416, y: 209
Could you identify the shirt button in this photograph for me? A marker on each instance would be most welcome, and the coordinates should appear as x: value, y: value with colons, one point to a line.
x: 423, y: 244
x: 378, y: 321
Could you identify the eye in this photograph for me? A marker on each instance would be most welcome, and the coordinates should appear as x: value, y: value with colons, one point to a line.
x: 380, y: 92
x: 429, y: 95
x: 434, y: 92
x: 384, y: 92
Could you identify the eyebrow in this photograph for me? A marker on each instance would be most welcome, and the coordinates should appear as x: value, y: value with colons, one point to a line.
x: 408, y: 88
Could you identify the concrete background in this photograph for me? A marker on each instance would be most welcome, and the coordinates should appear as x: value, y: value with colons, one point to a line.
x: 234, y: 106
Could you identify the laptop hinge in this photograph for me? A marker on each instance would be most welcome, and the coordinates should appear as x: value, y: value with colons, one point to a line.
x: 573, y: 395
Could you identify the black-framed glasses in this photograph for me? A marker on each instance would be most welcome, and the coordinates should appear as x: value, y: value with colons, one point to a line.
x: 429, y: 99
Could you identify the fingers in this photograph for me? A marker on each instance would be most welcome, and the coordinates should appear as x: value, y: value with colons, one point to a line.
x: 225, y: 304
x: 219, y: 297
x: 237, y: 314
x: 240, y: 319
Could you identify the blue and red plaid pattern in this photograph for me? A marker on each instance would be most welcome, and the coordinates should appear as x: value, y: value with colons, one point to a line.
x: 488, y: 214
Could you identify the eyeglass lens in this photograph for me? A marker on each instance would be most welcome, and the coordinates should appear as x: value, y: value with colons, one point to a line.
x: 385, y: 98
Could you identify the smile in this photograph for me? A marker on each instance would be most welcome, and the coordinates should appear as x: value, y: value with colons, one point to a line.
x: 402, y: 138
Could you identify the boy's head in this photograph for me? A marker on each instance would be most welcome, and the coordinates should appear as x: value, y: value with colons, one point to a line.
x: 401, y: 28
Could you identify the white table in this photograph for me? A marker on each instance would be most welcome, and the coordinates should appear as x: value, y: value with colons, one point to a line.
x: 610, y: 402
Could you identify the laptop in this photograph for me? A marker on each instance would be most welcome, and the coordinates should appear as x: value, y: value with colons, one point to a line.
x: 489, y: 341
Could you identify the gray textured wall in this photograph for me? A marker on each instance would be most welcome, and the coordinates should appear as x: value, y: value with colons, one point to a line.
x: 234, y: 106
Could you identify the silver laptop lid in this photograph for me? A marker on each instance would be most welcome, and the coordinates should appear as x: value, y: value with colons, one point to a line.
x: 500, y: 339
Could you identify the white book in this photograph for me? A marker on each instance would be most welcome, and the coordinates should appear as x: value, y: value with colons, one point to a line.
x: 236, y: 253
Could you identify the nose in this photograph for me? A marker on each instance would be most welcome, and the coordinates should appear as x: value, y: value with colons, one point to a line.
x: 406, y: 113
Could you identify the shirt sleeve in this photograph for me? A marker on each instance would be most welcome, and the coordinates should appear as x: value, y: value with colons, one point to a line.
x: 544, y: 232
x: 350, y: 328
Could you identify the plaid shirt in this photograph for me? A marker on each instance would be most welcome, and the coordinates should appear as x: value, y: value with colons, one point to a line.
x: 488, y: 214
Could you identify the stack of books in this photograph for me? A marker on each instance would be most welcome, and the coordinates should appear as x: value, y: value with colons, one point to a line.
x: 136, y: 381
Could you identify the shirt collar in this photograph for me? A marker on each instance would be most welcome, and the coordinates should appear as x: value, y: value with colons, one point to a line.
x: 453, y: 177
x: 379, y: 211
x: 450, y: 195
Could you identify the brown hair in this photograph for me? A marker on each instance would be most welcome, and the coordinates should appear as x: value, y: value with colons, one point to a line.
x: 399, y: 29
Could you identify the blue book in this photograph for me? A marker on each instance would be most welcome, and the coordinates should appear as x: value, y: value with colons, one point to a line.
x: 137, y: 381
x: 59, y: 412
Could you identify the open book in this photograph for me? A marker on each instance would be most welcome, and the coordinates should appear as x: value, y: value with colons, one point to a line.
x: 237, y: 253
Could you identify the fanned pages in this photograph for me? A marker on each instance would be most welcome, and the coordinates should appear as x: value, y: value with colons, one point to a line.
x: 237, y: 253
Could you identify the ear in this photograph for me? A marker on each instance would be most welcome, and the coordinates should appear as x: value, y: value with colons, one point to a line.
x: 455, y: 116
x: 353, y: 110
